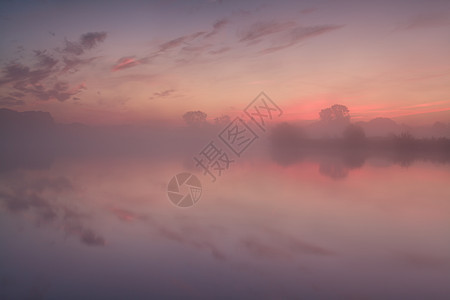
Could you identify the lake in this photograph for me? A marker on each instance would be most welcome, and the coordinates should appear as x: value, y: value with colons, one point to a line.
x: 102, y: 227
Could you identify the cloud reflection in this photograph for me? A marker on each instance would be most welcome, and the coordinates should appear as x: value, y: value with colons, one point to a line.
x: 41, y: 197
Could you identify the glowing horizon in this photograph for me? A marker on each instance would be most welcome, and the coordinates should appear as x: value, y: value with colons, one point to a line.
x: 154, y: 61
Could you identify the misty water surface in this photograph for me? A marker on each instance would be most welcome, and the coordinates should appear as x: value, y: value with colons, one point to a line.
x: 310, y: 227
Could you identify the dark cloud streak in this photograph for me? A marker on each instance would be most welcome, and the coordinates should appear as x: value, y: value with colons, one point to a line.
x: 28, y: 196
x: 40, y: 79
x: 128, y: 62
x: 217, y: 27
x: 427, y: 20
x: 188, y: 43
x: 87, y: 41
x: 259, y: 30
x: 163, y: 94
x: 299, y: 34
x: 10, y: 101
x: 91, y: 39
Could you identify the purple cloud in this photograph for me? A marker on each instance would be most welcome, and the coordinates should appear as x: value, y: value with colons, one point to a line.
x: 427, y: 21
x: 162, y: 94
x: 128, y: 62
x: 220, y: 50
x: 217, y: 27
x: 73, y: 63
x: 261, y: 29
x: 91, y: 39
x: 60, y: 91
x: 10, y: 101
x: 73, y: 48
x: 299, y: 34
x: 179, y: 41
x: 39, y: 79
x: 87, y: 41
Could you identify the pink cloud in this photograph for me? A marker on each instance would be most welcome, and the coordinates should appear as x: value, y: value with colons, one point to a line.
x: 127, y: 62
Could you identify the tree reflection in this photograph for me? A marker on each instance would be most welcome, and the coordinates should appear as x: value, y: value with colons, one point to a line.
x: 337, y: 156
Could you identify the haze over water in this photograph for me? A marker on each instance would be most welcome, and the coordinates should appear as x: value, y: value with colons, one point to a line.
x: 131, y: 167
x: 103, y: 228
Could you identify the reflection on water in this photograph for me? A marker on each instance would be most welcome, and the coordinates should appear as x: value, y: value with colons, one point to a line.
x: 337, y: 157
x: 101, y: 227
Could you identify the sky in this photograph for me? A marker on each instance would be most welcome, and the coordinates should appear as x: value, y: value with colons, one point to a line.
x: 116, y: 62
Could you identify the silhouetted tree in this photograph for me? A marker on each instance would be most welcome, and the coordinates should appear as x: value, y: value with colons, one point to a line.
x: 406, y: 149
x: 335, y: 170
x: 336, y: 112
x: 285, y: 141
x: 405, y: 139
x: 354, y: 134
x: 333, y: 120
x: 222, y: 120
x: 195, y: 117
